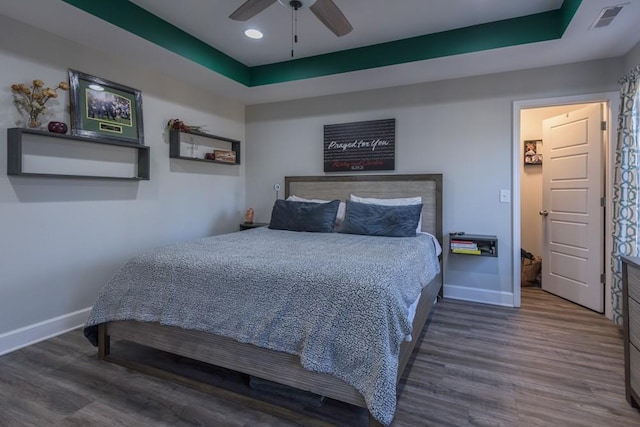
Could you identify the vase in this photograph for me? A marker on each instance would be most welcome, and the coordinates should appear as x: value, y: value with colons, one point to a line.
x: 33, y: 121
x: 57, y: 127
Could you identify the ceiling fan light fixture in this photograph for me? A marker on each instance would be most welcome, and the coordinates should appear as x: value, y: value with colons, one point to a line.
x: 252, y: 33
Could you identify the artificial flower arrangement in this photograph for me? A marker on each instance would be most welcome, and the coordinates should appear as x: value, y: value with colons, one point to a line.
x: 177, y: 124
x: 33, y: 99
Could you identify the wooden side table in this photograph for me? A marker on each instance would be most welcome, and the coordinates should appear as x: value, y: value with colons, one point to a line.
x: 245, y: 226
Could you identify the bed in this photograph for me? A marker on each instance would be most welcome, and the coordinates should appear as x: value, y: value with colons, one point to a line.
x: 250, y: 350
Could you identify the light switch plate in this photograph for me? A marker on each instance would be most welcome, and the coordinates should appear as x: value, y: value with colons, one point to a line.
x: 505, y: 196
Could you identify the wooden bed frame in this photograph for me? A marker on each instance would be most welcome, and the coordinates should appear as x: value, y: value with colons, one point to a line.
x: 276, y: 366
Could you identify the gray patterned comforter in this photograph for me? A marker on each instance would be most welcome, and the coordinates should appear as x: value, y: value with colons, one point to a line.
x: 338, y: 301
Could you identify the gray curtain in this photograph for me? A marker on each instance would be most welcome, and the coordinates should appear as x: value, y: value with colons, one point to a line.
x: 626, y: 185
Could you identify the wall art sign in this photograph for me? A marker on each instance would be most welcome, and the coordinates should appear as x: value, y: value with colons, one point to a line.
x: 101, y: 109
x: 360, y: 146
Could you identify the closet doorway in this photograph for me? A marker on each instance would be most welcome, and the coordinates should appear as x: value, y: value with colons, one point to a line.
x: 530, y: 228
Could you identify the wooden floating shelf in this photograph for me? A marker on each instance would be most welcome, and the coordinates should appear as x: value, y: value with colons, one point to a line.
x: 15, y: 154
x: 175, y: 137
x: 485, y: 245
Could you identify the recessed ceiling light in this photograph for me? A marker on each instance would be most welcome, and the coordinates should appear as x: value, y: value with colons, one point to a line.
x: 252, y: 33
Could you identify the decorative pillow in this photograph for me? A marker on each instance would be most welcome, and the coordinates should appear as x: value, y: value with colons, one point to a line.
x: 304, y: 216
x: 381, y: 220
x: 341, y: 208
x: 402, y: 201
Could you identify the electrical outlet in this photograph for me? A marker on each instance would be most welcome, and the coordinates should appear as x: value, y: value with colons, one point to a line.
x: 505, y: 196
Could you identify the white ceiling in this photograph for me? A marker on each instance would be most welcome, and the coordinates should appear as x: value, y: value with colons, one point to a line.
x: 374, y: 21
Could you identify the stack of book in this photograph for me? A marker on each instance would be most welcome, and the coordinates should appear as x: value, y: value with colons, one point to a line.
x: 464, y: 247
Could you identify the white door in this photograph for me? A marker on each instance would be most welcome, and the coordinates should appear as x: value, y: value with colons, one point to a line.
x: 572, y: 215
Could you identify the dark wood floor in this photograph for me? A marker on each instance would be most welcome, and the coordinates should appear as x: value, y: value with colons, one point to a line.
x: 549, y: 363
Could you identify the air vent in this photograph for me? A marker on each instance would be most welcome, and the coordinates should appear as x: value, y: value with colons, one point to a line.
x: 607, y: 15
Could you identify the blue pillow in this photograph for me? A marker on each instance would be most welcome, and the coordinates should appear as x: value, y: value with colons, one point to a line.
x: 380, y: 220
x: 304, y: 216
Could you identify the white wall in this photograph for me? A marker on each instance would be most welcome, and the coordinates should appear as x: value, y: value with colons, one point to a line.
x: 62, y: 239
x: 460, y: 127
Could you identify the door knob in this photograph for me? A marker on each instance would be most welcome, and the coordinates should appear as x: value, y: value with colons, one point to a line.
x: 544, y: 212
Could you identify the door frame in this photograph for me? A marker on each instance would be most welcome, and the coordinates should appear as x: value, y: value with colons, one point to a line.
x: 611, y: 103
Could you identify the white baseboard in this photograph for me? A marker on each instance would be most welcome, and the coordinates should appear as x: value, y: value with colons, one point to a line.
x: 22, y: 337
x: 478, y: 295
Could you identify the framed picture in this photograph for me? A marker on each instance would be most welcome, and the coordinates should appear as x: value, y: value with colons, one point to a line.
x: 360, y: 146
x: 533, y: 152
x: 101, y: 109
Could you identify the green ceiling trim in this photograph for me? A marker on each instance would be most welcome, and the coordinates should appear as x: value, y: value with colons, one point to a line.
x: 510, y: 32
x: 568, y: 10
x: 138, y: 21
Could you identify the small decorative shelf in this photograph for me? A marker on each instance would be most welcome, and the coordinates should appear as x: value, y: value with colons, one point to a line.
x: 473, y: 244
x: 201, y: 139
x: 15, y: 154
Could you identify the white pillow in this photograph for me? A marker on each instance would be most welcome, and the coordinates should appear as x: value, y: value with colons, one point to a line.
x: 402, y: 201
x: 341, y: 208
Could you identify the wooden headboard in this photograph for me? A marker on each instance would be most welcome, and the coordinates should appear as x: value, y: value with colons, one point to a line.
x: 428, y: 186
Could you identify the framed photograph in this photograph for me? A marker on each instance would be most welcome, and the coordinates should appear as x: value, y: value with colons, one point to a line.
x: 101, y: 109
x: 533, y: 152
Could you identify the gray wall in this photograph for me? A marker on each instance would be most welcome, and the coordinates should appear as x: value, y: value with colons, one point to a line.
x: 632, y: 59
x: 62, y: 239
x: 461, y: 128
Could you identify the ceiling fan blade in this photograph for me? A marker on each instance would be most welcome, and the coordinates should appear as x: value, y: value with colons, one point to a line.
x: 329, y: 14
x: 250, y: 8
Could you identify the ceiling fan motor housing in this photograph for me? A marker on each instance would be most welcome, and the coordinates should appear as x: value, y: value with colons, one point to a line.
x: 297, y: 4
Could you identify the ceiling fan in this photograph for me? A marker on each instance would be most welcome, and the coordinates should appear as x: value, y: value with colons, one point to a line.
x: 325, y: 10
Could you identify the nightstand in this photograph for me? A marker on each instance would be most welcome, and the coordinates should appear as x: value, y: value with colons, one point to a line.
x: 245, y: 226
